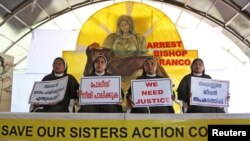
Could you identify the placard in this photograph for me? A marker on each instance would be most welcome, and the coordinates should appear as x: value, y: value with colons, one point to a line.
x: 46, y: 92
x: 209, y: 92
x: 151, y: 92
x: 100, y: 90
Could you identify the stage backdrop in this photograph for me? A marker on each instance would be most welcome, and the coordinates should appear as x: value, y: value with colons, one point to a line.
x: 163, y: 39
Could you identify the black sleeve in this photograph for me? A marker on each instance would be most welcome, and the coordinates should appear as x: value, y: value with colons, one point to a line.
x: 207, y: 76
x: 74, y: 86
x: 183, y: 89
x: 47, y: 78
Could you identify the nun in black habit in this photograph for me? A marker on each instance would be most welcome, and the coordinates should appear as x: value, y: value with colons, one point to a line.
x: 149, y: 72
x: 67, y: 104
x: 100, y: 69
x: 183, y: 90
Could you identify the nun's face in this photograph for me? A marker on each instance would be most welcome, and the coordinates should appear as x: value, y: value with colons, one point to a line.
x: 100, y: 65
x: 150, y: 66
x: 58, y: 66
x: 198, y: 67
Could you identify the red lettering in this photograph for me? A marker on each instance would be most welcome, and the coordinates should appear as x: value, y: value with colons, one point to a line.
x: 151, y: 84
x: 152, y: 101
x: 155, y: 44
x: 161, y: 44
x: 156, y: 53
x: 152, y: 92
x: 170, y: 53
x: 175, y: 62
x: 179, y: 43
x: 184, y: 52
x: 168, y: 44
x: 149, y: 45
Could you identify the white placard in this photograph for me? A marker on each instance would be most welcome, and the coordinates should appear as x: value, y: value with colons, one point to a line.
x: 151, y: 92
x: 46, y: 92
x: 209, y: 92
x: 100, y: 90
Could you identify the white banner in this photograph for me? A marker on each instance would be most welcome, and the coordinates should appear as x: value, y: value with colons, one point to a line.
x: 45, y: 92
x: 48, y: 44
x: 151, y: 92
x: 209, y: 92
x: 100, y: 90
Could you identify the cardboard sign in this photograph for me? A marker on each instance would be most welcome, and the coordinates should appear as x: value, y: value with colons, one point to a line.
x: 100, y: 90
x: 46, y: 92
x: 151, y: 92
x: 209, y: 92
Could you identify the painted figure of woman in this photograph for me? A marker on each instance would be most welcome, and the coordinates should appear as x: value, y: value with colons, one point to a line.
x: 124, y: 49
x: 125, y: 42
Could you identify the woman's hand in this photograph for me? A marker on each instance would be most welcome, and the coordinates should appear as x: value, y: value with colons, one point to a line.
x: 52, y: 103
x: 79, y: 93
x: 130, y: 103
x: 35, y: 104
x: 228, y: 97
x: 94, y: 45
x: 173, y: 97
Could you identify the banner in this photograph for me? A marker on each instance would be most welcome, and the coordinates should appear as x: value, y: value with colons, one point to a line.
x: 113, y: 127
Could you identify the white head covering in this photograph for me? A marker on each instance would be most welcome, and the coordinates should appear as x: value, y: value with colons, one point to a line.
x: 105, y: 59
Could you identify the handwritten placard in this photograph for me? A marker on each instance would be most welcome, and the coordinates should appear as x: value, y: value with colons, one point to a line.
x: 100, y: 90
x: 151, y: 92
x: 209, y: 92
x: 46, y: 92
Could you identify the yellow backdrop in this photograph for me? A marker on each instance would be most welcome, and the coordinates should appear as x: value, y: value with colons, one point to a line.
x: 163, y: 39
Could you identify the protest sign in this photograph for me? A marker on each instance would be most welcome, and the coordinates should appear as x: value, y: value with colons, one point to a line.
x: 45, y: 92
x: 100, y: 90
x: 209, y: 92
x: 151, y: 92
